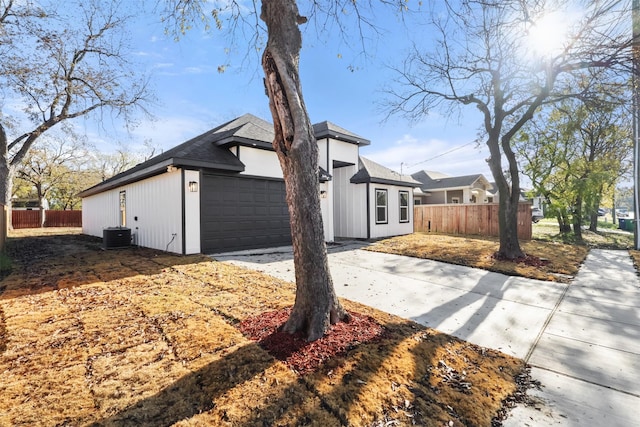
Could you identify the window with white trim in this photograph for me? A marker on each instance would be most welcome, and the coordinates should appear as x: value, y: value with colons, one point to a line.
x: 404, y: 205
x: 381, y: 206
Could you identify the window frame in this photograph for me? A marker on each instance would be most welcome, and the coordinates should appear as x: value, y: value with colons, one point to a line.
x: 403, y: 207
x: 385, y: 206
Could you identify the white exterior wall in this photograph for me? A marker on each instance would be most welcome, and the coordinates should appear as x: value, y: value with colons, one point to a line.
x: 192, y: 213
x: 157, y: 204
x: 350, y: 204
x: 259, y: 162
x: 322, y: 155
x: 326, y: 207
x: 342, y: 212
x: 99, y: 212
x: 342, y: 151
x: 393, y: 227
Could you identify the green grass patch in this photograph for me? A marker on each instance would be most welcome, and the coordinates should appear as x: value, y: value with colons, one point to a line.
x: 608, y: 235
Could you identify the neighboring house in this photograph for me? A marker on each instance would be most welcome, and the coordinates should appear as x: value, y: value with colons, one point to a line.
x: 27, y: 204
x: 223, y: 191
x: 437, y: 188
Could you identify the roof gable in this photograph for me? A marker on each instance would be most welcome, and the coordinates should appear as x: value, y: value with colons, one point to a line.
x: 330, y: 130
x: 210, y: 150
x: 371, y: 171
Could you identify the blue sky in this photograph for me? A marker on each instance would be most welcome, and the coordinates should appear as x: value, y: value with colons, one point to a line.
x: 193, y: 96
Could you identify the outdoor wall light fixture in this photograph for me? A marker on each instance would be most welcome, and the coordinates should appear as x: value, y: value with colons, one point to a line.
x: 193, y: 186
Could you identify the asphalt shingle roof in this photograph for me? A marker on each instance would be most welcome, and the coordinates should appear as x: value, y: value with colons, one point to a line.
x: 371, y: 171
x: 427, y: 183
x: 209, y: 150
x: 330, y: 130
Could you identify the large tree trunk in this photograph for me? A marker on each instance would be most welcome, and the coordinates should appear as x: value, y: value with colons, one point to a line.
x: 577, y: 219
x: 5, y: 169
x: 563, y: 221
x: 508, y: 199
x: 316, y: 306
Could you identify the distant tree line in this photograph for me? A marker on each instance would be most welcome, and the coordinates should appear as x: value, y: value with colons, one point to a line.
x: 57, y: 168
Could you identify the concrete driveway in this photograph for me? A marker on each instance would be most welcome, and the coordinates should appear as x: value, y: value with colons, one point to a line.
x: 581, y: 339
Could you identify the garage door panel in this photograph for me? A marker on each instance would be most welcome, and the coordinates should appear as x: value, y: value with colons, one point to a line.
x: 243, y: 213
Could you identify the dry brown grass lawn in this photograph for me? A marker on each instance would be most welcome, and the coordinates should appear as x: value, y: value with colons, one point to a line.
x: 636, y: 258
x: 562, y: 260
x: 140, y: 337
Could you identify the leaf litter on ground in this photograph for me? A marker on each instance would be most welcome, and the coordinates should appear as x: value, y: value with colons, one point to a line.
x: 142, y: 337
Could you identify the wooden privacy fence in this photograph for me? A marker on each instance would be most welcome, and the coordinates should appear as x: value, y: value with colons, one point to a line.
x: 475, y: 219
x: 31, y: 219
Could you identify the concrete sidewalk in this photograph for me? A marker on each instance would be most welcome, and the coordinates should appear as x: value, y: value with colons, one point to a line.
x: 583, y: 339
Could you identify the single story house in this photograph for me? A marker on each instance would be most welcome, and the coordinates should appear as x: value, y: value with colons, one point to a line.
x: 223, y: 191
x: 438, y: 188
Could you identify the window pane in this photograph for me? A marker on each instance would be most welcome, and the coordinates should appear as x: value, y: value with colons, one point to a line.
x: 404, y: 198
x: 381, y: 215
x: 404, y: 214
x: 381, y: 198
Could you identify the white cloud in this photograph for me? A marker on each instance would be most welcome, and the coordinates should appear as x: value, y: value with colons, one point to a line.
x: 163, y: 65
x: 193, y: 70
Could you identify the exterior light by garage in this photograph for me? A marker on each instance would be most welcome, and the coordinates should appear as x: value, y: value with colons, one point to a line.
x: 193, y: 186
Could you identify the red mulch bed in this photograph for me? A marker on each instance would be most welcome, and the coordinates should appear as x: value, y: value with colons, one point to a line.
x: 300, y: 355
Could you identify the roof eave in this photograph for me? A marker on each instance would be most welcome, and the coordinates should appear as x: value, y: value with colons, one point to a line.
x: 245, y: 142
x: 385, y: 182
x: 156, y: 169
x: 342, y: 137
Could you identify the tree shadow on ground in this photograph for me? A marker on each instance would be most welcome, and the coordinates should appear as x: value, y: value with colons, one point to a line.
x: 387, y: 380
x: 324, y: 396
x: 487, y: 290
x: 194, y: 393
x: 46, y: 263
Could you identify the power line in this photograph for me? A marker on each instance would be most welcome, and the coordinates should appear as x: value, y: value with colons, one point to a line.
x: 439, y: 155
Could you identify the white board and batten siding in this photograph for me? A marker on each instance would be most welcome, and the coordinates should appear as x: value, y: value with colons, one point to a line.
x: 350, y: 201
x: 153, y: 212
x: 393, y: 226
x: 328, y: 151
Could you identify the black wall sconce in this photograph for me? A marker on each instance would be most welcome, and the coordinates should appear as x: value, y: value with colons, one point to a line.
x: 193, y: 186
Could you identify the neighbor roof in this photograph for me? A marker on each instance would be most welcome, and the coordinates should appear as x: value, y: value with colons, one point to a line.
x: 371, y: 171
x: 430, y: 182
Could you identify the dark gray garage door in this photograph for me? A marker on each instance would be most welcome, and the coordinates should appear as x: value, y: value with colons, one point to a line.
x: 243, y: 213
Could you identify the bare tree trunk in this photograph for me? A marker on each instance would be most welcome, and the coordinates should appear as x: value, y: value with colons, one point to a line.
x: 508, y: 199
x: 40, y: 204
x: 316, y: 306
x: 577, y: 219
x: 5, y: 187
x: 563, y: 221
